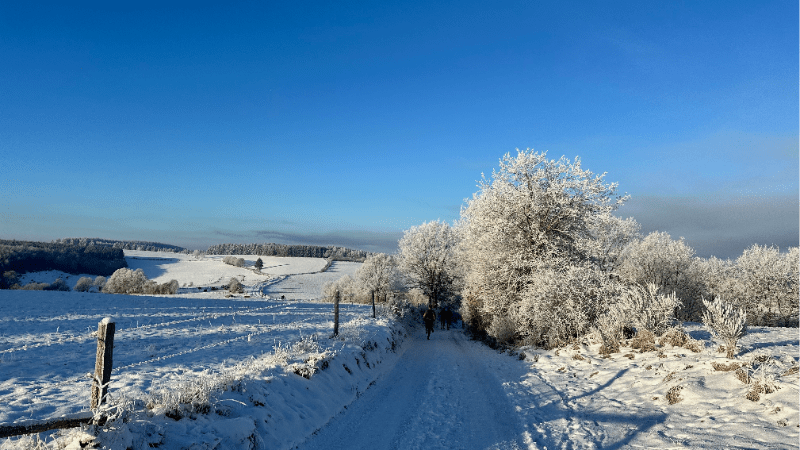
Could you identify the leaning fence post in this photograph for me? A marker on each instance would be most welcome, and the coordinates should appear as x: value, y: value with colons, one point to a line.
x: 373, y: 304
x: 103, y: 364
x: 336, y: 315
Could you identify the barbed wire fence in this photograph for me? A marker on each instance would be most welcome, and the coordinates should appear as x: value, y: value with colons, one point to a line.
x: 93, y: 381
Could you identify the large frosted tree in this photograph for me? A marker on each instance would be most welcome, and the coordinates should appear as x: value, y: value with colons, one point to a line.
x: 535, y: 220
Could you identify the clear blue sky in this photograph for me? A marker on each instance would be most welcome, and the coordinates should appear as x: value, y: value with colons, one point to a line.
x: 345, y: 123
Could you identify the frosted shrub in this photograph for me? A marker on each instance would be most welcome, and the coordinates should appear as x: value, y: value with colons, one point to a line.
x: 127, y: 281
x: 307, y: 344
x: 647, y: 309
x: 100, y: 281
x: 727, y: 324
x: 83, y: 284
x: 58, y: 285
x: 609, y: 327
x: 233, y: 261
x: 558, y: 307
x: 503, y: 329
x: 234, y: 286
x: 670, y: 265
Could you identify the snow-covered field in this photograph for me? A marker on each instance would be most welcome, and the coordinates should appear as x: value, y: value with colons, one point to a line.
x: 294, y: 278
x: 171, y: 347
x: 199, y: 370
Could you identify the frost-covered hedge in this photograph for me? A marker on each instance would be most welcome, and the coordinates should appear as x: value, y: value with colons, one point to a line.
x: 233, y: 261
x: 127, y: 281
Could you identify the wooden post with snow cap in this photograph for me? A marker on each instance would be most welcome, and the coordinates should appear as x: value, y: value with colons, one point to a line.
x: 103, y: 364
x: 336, y: 315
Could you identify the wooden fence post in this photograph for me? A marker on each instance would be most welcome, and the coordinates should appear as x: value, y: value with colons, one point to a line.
x: 103, y: 364
x: 373, y: 304
x: 336, y: 315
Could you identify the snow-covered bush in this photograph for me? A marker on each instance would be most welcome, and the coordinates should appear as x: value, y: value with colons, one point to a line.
x: 235, y: 286
x: 127, y: 281
x: 667, y: 263
x: 33, y: 286
x: 345, y: 285
x: 727, y: 324
x: 559, y: 306
x: 84, y: 284
x: 58, y: 285
x: 645, y: 308
x: 233, y: 261
x: 99, y: 282
x: 768, y: 285
x: 427, y: 258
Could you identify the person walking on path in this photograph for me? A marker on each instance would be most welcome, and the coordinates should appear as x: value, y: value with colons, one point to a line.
x: 430, y: 319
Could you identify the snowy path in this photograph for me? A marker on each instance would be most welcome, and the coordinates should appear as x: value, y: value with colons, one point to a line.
x: 440, y: 395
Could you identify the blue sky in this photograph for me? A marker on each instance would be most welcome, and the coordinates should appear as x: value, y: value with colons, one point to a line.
x: 345, y: 123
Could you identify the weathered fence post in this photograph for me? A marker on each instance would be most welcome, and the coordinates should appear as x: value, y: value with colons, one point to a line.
x: 103, y: 364
x: 336, y: 315
x: 373, y: 304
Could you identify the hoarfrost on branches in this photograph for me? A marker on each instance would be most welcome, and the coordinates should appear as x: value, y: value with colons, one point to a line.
x: 427, y: 257
x: 726, y: 323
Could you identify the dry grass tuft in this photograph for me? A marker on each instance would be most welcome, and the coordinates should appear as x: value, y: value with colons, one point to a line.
x: 725, y: 367
x: 752, y: 395
x: 791, y: 371
x: 675, y: 337
x: 607, y: 350
x: 742, y: 376
x: 674, y: 394
x: 578, y: 357
x: 644, y: 341
x: 629, y: 355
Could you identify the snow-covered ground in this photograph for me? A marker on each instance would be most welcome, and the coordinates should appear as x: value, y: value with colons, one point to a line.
x: 239, y: 361
x: 243, y: 359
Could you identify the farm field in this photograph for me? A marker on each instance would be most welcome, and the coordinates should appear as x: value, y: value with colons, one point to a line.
x: 292, y: 277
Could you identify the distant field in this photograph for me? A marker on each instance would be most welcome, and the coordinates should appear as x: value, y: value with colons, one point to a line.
x: 292, y: 277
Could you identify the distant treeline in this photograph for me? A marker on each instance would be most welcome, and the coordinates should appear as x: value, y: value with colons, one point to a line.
x: 309, y: 251
x: 25, y: 256
x: 125, y: 245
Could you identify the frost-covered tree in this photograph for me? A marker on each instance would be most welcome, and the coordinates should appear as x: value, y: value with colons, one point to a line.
x: 259, y: 264
x: 726, y: 323
x: 535, y: 218
x: 427, y: 258
x: 378, y: 274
